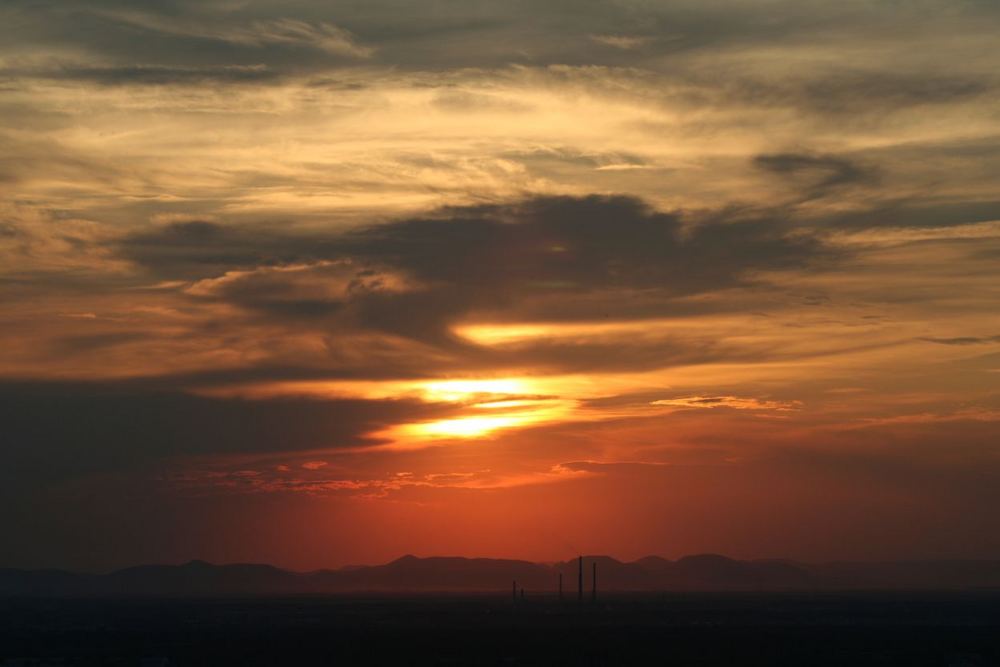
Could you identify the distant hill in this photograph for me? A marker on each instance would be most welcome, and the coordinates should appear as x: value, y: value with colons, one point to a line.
x: 409, y: 574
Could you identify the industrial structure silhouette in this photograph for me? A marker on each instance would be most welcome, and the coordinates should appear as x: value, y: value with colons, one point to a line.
x: 517, y: 593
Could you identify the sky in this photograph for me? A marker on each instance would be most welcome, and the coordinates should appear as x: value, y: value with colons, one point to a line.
x: 319, y: 284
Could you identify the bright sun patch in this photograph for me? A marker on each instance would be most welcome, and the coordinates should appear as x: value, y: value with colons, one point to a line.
x: 504, y: 408
x: 466, y: 427
x: 462, y: 390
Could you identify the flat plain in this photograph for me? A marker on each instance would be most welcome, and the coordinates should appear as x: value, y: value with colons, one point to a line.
x: 853, y: 628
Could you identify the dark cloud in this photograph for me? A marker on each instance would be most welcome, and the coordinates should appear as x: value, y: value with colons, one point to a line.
x: 601, y: 250
x: 181, y: 37
x: 200, y: 249
x: 60, y: 430
x: 963, y: 340
x: 149, y: 74
x: 912, y: 212
x: 836, y: 92
x: 853, y: 91
x: 373, y: 368
x: 556, y: 158
x: 567, y: 244
x: 436, y: 35
x: 618, y: 354
x: 817, y: 174
x: 68, y: 345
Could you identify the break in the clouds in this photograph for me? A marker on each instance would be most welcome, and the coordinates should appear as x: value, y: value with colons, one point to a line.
x: 343, y: 271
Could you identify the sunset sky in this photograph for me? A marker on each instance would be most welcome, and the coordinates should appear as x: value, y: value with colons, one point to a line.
x: 322, y: 283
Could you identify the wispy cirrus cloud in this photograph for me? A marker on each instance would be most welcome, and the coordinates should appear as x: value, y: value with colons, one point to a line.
x: 963, y: 340
x: 320, y: 35
x: 732, y: 402
x: 626, y: 42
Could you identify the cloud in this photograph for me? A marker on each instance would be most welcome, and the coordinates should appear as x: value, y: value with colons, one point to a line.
x: 913, y: 212
x: 852, y: 91
x: 317, y: 482
x: 298, y: 290
x: 625, y: 42
x: 201, y: 249
x: 963, y: 340
x: 152, y: 74
x: 562, y: 248
x: 77, y: 344
x: 619, y: 467
x: 284, y: 31
x: 732, y: 402
x: 325, y: 36
x: 462, y: 101
x: 817, y: 174
x: 61, y: 430
x: 414, y: 277
x: 481, y: 35
x: 565, y: 244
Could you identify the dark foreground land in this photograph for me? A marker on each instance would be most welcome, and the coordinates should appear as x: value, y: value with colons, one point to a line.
x: 946, y: 629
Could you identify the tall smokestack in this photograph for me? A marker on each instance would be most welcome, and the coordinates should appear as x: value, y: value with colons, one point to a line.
x: 513, y: 591
x: 593, y: 591
x: 579, y: 581
x: 560, y: 587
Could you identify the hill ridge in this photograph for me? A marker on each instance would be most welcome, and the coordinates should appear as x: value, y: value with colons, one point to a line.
x: 413, y: 574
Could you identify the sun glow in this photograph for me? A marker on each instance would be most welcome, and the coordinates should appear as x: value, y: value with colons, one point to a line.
x: 503, y: 414
x: 463, y: 390
x: 466, y: 427
x: 516, y: 333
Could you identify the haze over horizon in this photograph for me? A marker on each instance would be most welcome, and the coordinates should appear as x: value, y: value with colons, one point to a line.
x: 318, y: 284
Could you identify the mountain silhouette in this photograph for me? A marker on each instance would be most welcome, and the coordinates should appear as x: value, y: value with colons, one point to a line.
x: 201, y: 578
x: 712, y: 571
x: 410, y: 574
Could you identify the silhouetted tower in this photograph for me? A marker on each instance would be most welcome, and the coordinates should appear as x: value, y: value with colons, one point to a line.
x: 593, y: 591
x: 560, y: 587
x: 579, y: 581
x: 513, y: 591
x: 522, y: 592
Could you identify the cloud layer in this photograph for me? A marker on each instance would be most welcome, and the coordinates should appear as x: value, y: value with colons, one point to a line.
x: 376, y: 277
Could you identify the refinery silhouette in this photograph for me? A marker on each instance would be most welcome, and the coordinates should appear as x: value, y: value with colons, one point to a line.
x: 517, y: 593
